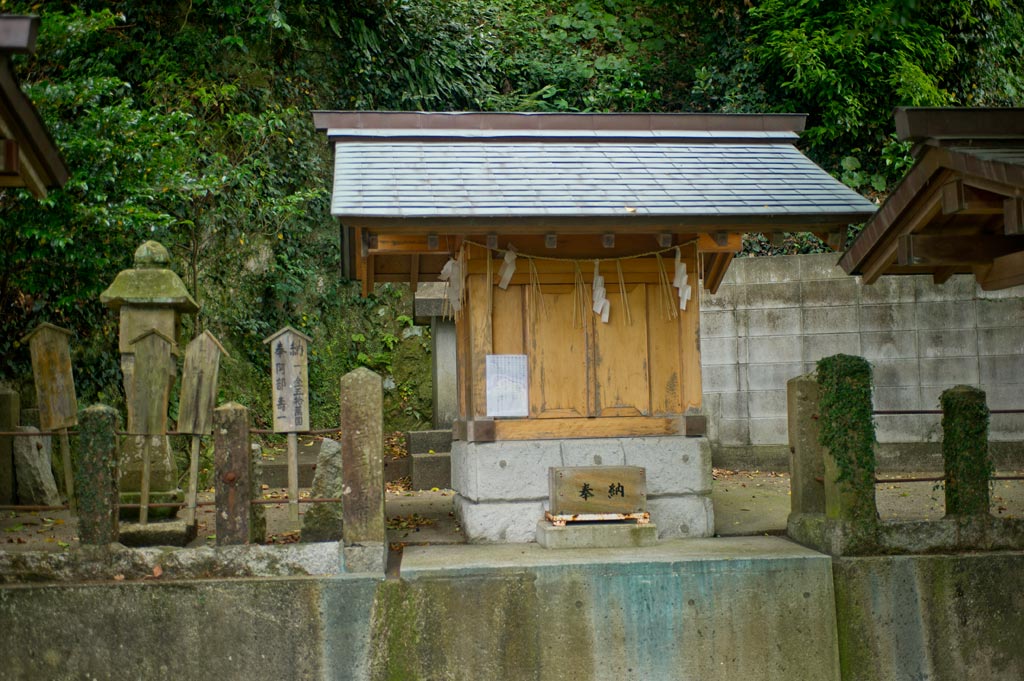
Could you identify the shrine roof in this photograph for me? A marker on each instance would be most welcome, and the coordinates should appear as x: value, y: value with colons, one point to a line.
x: 959, y: 209
x: 29, y: 157
x: 683, y: 170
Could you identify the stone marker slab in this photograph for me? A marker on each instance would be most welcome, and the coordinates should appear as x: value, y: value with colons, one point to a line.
x: 597, y: 489
x: 323, y: 521
x: 32, y: 455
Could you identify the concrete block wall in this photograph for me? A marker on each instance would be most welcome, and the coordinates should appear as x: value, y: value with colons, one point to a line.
x: 773, y: 318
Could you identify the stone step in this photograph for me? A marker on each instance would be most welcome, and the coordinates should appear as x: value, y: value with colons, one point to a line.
x: 431, y: 471
x: 428, y: 441
x: 275, y: 467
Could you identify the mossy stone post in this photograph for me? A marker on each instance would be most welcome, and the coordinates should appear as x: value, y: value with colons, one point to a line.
x: 968, y: 466
x: 847, y: 432
x: 362, y: 467
x: 235, y: 479
x: 10, y: 416
x: 96, y: 475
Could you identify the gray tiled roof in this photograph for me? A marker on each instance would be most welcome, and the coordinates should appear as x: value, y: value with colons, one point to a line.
x: 446, y: 178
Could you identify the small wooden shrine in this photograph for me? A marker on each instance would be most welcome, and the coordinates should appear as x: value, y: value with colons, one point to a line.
x: 573, y: 246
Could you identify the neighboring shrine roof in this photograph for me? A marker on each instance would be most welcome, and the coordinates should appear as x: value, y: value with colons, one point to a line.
x: 475, y: 171
x: 959, y: 209
x: 28, y: 156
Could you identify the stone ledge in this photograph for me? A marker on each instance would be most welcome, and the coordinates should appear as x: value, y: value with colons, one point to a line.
x: 910, y: 537
x: 89, y: 563
x: 596, y: 535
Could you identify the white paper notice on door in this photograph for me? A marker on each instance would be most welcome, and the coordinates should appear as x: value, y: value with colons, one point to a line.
x: 508, y: 392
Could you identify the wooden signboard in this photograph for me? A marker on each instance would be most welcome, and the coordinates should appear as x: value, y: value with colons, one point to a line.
x: 290, y: 379
x: 198, y: 397
x: 152, y: 392
x: 591, y: 490
x: 199, y: 384
x: 55, y: 386
x: 55, y: 392
x: 153, y: 350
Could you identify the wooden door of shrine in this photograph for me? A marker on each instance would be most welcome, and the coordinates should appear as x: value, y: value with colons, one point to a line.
x: 630, y: 375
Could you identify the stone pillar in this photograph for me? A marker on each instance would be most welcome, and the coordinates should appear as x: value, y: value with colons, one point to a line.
x: 235, y: 480
x: 806, y: 456
x: 10, y: 409
x: 96, y: 475
x: 429, y: 305
x: 968, y: 465
x: 362, y: 430
x: 445, y: 374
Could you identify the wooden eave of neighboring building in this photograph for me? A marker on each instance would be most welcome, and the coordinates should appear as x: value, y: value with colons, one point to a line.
x: 29, y: 157
x: 960, y: 208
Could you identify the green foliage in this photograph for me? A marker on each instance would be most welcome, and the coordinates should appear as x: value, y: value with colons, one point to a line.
x: 847, y: 428
x: 188, y: 122
x: 965, y: 417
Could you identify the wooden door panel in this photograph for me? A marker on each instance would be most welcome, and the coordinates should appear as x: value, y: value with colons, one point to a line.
x: 622, y: 383
x: 558, y: 361
x: 666, y: 355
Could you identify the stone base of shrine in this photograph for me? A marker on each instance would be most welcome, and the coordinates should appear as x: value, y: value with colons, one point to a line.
x: 502, y: 487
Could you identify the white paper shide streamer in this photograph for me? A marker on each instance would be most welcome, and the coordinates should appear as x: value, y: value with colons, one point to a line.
x: 601, y: 305
x: 680, y: 281
x: 508, y: 268
x: 452, y: 274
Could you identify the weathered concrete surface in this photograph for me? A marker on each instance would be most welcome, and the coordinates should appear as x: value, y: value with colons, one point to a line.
x: 243, y: 629
x: 105, y: 562
x: 742, y: 608
x: 752, y: 608
x: 949, y: 617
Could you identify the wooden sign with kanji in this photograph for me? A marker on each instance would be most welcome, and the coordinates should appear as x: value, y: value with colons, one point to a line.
x: 55, y: 386
x: 290, y: 378
x: 199, y: 384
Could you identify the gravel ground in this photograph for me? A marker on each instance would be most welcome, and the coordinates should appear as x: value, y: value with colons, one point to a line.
x: 746, y: 503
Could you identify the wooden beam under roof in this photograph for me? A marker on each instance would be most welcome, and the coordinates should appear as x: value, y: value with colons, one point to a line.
x: 943, y: 250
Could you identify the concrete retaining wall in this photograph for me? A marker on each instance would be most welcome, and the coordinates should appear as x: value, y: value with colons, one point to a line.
x: 710, y: 609
x: 773, y: 318
x: 931, y: 617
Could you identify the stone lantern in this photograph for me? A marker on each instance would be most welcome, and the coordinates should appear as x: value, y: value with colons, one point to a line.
x: 149, y: 297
